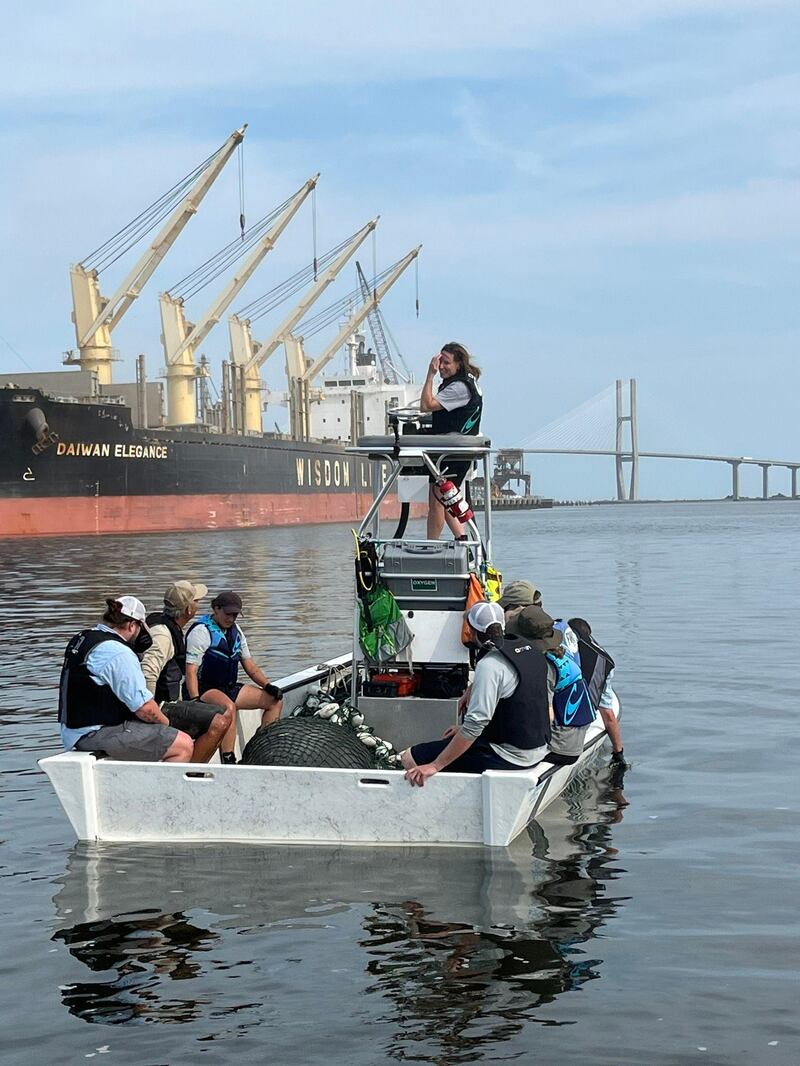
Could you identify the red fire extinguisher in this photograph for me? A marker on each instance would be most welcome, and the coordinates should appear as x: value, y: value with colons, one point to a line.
x: 453, y: 502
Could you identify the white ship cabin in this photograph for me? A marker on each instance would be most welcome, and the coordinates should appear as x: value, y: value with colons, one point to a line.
x: 357, y: 402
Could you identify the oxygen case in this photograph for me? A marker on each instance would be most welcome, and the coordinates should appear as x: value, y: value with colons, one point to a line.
x: 430, y: 577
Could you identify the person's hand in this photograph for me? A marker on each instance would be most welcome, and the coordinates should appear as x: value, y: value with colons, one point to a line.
x: 450, y: 732
x: 418, y: 775
x: 463, y: 702
x: 274, y: 691
x: 434, y: 367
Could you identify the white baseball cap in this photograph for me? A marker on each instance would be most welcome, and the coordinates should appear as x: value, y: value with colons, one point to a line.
x: 133, y: 608
x: 482, y: 615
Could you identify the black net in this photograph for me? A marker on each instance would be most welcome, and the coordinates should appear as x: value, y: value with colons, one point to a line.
x: 307, y: 742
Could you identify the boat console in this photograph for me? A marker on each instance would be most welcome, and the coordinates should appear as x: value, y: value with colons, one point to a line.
x: 415, y: 696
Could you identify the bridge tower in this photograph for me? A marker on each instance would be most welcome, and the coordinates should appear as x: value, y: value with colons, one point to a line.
x: 629, y: 455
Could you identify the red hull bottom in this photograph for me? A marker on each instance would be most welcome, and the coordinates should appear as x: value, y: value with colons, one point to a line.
x: 77, y: 515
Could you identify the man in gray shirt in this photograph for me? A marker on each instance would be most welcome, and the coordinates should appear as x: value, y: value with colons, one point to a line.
x: 507, y: 722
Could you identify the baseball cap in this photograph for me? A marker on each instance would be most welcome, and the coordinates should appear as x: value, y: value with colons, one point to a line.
x: 520, y: 594
x: 228, y: 601
x: 181, y: 593
x: 133, y: 608
x: 482, y: 615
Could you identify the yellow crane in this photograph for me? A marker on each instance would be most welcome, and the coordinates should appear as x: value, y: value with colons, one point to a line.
x: 94, y: 315
x: 300, y: 371
x: 249, y: 356
x: 180, y: 338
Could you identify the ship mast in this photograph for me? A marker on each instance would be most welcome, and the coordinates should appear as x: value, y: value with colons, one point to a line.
x: 95, y: 316
x: 249, y: 355
x: 180, y: 338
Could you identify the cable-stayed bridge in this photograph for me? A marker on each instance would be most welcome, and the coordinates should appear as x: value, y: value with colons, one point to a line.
x: 607, y: 424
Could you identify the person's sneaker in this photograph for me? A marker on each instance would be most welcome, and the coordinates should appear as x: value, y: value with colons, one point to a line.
x: 228, y: 758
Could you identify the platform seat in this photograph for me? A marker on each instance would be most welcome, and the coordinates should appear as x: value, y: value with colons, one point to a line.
x: 435, y: 444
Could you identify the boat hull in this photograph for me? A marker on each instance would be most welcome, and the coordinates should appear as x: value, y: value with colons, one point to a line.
x: 82, y: 515
x: 119, y: 801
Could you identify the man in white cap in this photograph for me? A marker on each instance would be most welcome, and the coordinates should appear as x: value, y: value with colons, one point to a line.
x: 507, y: 721
x: 104, y: 703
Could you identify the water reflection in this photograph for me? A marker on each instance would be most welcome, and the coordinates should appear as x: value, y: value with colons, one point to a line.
x: 464, y: 987
x: 457, y: 949
x: 143, y: 950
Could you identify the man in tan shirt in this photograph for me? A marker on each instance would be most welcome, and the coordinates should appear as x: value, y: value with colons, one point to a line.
x: 164, y: 667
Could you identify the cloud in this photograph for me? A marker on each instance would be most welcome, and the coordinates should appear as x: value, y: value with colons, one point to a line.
x: 96, y: 51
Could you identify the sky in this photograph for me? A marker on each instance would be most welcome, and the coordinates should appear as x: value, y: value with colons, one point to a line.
x: 602, y: 190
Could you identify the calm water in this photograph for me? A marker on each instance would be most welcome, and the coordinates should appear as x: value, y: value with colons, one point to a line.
x: 661, y: 931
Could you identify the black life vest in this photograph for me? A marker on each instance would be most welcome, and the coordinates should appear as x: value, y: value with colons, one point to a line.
x: 522, y: 720
x: 81, y: 701
x: 168, y: 685
x: 219, y: 667
x: 596, y: 665
x: 466, y: 419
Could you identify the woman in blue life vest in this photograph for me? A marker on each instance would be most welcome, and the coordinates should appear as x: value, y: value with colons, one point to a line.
x: 456, y: 407
x: 215, y: 649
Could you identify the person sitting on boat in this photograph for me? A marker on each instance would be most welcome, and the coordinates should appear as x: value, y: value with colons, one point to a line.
x: 520, y: 594
x: 578, y: 642
x: 597, y: 667
x: 507, y: 722
x: 103, y: 701
x: 215, y: 648
x: 516, y: 595
x: 572, y: 709
x: 164, y: 666
x: 456, y: 408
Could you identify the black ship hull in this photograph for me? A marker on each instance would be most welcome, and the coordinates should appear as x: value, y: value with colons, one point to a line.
x: 68, y: 467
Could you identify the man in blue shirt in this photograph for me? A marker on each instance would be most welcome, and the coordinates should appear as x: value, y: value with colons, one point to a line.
x: 104, y: 703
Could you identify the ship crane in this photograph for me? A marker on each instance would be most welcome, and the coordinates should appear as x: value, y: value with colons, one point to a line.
x: 95, y: 316
x: 391, y: 374
x: 180, y: 338
x: 249, y: 356
x: 301, y: 371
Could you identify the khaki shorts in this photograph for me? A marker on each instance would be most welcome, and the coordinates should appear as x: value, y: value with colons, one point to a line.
x: 567, y: 740
x: 135, y: 741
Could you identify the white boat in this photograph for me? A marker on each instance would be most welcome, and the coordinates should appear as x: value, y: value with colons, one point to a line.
x: 113, y: 800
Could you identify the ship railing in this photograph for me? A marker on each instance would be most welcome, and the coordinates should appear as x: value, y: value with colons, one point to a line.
x: 413, y: 457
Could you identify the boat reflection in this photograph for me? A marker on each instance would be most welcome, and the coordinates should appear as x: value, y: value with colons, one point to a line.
x: 459, y: 948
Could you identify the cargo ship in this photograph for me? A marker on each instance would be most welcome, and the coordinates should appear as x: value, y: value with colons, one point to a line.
x: 85, y: 455
x: 68, y: 467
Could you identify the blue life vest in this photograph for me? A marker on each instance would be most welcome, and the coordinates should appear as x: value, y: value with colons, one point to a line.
x: 573, y: 652
x: 571, y: 703
x: 220, y: 665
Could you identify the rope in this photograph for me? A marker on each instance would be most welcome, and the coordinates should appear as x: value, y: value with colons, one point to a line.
x: 269, y: 300
x: 590, y: 426
x: 209, y: 271
x: 314, y: 228
x: 241, y: 187
x: 315, y: 323
x: 124, y: 239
